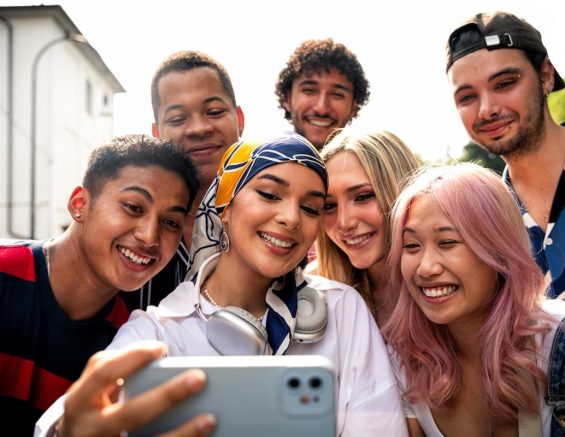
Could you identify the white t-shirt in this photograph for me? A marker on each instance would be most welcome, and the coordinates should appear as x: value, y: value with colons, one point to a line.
x: 422, y: 411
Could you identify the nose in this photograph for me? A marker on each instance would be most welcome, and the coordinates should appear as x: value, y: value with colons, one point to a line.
x: 322, y: 104
x: 345, y: 220
x: 147, y: 232
x: 199, y: 126
x: 289, y: 216
x: 489, y: 107
x: 429, y: 265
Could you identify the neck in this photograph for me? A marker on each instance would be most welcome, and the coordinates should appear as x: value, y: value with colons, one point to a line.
x: 230, y: 285
x: 73, y: 282
x: 465, y: 336
x: 547, y: 159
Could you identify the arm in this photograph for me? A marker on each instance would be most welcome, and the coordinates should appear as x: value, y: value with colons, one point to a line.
x: 91, y: 406
x: 414, y: 429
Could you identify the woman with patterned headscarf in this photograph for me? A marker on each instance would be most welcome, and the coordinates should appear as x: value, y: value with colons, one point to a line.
x: 253, y: 228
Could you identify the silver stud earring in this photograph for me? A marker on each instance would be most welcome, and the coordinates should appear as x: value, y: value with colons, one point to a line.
x: 78, y: 215
x: 224, y: 241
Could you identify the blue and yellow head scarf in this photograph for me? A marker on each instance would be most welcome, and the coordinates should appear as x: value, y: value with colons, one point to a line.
x: 241, y: 162
x: 244, y: 160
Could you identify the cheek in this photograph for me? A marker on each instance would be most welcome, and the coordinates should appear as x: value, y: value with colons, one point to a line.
x: 311, y: 229
x: 329, y: 223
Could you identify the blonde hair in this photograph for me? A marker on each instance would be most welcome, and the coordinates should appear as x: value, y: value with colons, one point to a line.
x: 387, y: 162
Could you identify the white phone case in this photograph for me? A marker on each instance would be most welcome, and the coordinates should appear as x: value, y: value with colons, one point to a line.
x: 270, y: 396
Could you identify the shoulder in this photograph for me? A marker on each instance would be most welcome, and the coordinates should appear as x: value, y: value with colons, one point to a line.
x: 329, y: 285
x: 554, y: 307
x: 17, y: 259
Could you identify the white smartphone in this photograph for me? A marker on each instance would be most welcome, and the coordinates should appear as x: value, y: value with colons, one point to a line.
x: 275, y: 396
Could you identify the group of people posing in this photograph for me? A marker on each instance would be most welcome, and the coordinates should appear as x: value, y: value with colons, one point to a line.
x: 438, y: 288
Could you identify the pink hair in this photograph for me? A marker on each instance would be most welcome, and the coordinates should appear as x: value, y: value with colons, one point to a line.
x: 484, y: 211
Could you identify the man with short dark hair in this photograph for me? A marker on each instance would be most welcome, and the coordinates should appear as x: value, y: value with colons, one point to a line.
x: 59, y: 303
x: 321, y: 89
x: 500, y: 74
x: 194, y: 106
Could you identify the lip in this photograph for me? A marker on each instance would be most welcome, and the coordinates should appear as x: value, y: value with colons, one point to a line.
x: 320, y: 122
x: 275, y: 246
x: 450, y: 288
x: 495, y: 129
x: 360, y: 241
x: 126, y: 254
x: 203, y: 150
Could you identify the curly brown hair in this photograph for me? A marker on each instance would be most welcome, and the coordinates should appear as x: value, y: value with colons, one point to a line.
x: 314, y: 56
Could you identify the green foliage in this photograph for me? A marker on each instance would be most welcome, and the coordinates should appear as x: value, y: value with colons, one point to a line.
x: 474, y: 153
x: 556, y: 103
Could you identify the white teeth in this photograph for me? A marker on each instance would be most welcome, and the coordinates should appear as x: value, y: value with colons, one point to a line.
x: 139, y: 260
x: 320, y: 123
x: 439, y: 291
x: 276, y: 241
x: 358, y: 240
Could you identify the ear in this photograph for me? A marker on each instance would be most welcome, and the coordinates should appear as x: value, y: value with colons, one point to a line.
x: 287, y: 106
x: 226, y: 218
x: 547, y: 76
x: 77, y: 204
x: 240, y: 120
x: 354, y: 111
x: 155, y: 130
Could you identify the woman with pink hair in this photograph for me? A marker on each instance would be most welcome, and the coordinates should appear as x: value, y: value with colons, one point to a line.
x: 471, y: 333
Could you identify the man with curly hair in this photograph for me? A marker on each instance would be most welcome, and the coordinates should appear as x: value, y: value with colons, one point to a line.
x: 321, y: 89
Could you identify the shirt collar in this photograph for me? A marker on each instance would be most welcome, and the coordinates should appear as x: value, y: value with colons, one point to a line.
x: 181, y: 302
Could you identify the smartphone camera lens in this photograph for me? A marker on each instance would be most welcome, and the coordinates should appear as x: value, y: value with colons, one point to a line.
x: 294, y: 383
x: 315, y: 382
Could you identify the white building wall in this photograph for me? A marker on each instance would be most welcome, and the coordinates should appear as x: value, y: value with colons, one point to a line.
x: 66, y: 131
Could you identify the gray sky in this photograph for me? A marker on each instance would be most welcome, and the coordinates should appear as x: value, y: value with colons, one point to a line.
x: 400, y: 44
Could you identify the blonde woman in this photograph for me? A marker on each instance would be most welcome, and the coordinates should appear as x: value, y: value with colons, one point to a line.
x: 365, y: 176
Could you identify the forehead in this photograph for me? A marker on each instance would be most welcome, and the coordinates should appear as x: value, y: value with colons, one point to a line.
x: 345, y: 161
x: 424, y: 210
x: 294, y: 173
x: 199, y: 82
x: 328, y: 78
x: 483, y: 64
x: 149, y: 177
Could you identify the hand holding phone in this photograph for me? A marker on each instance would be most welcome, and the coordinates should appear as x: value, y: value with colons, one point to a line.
x: 91, y: 405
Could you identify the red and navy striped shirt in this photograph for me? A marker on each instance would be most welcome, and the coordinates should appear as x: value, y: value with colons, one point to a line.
x: 42, y: 351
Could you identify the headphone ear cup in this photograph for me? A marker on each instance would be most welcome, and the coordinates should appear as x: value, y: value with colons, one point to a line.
x: 311, y: 316
x: 234, y: 331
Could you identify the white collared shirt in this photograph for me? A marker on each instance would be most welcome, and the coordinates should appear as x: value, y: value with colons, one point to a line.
x: 368, y: 402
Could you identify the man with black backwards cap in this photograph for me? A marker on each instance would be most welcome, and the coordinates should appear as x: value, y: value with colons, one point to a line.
x: 500, y: 74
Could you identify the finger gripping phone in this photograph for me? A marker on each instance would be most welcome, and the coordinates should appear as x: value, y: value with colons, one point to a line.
x: 271, y: 396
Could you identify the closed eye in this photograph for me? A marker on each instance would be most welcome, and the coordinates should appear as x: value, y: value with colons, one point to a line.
x: 267, y: 196
x: 133, y: 208
x: 310, y: 210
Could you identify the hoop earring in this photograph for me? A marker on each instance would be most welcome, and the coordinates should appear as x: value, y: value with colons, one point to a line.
x: 224, y: 241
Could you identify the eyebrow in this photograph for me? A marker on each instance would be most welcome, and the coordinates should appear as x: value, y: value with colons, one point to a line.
x: 356, y: 187
x: 149, y: 197
x: 285, y: 184
x: 210, y: 99
x: 436, y: 230
x: 316, y: 83
x: 496, y: 75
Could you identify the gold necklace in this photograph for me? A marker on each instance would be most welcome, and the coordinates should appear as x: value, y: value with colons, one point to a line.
x: 204, y: 289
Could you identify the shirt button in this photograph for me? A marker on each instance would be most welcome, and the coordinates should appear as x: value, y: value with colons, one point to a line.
x: 548, y: 241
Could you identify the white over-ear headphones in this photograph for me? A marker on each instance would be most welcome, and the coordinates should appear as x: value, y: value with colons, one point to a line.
x: 234, y: 331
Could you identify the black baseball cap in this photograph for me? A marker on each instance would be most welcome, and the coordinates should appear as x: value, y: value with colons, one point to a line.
x: 499, y: 30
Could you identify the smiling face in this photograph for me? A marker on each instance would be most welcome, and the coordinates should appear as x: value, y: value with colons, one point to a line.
x: 319, y: 104
x: 274, y: 220
x: 352, y: 218
x: 449, y: 283
x: 500, y: 100
x: 196, y: 113
x: 132, y: 228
